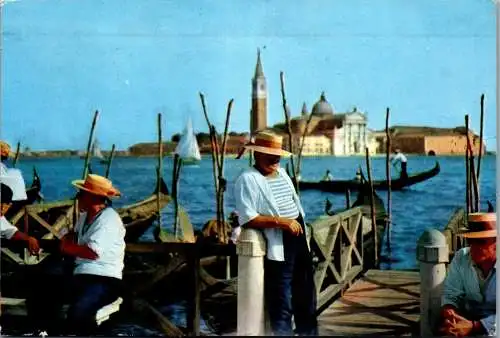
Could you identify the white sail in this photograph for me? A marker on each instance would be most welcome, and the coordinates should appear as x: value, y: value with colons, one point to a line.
x: 96, y: 151
x: 188, y: 149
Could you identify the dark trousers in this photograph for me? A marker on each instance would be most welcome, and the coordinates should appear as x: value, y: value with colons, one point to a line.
x: 85, y: 294
x: 290, y: 290
x: 404, y: 171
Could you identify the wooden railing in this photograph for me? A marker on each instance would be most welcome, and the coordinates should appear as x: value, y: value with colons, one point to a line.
x: 455, y: 225
x: 337, y: 246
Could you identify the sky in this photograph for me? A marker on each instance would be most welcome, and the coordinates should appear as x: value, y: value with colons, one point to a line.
x: 428, y: 61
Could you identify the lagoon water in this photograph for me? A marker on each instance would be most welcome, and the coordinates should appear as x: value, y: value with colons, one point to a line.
x: 427, y: 204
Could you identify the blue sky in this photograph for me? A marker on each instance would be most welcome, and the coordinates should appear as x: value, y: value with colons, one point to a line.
x: 428, y: 60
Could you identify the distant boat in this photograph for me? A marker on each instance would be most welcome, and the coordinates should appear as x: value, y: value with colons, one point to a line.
x: 188, y: 149
x: 95, y: 152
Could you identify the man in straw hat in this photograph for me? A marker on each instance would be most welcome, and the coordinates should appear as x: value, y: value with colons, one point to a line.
x: 11, y: 176
x: 9, y: 231
x: 469, y: 291
x: 266, y: 199
x: 4, y: 155
x: 98, y: 248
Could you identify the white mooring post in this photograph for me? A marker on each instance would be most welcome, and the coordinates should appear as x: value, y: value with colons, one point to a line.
x: 251, y: 249
x: 432, y: 254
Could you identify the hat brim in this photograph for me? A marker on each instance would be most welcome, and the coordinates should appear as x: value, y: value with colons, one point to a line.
x: 112, y: 193
x: 270, y: 151
x: 479, y: 234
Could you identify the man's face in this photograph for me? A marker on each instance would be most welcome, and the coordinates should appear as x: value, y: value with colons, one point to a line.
x: 482, y: 249
x: 86, y: 200
x: 267, y: 163
x: 4, y: 207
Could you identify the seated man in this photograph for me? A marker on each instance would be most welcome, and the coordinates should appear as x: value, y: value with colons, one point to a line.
x: 9, y: 231
x: 328, y: 176
x: 469, y: 291
x: 4, y: 155
x: 98, y: 249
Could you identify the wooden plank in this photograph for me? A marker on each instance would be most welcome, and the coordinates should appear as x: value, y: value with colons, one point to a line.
x: 332, y: 290
x: 380, y: 302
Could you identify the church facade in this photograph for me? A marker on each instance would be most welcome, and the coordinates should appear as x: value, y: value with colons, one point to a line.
x: 346, y: 133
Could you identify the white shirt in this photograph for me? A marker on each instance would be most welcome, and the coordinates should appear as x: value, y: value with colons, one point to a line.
x: 14, y: 179
x: 399, y: 157
x: 106, y: 237
x: 253, y: 197
x: 7, y: 230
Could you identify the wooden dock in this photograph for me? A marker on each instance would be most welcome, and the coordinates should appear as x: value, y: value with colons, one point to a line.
x: 381, y: 302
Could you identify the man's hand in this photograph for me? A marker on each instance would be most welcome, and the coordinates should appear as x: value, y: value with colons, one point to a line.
x: 292, y: 226
x: 33, y: 246
x: 455, y: 324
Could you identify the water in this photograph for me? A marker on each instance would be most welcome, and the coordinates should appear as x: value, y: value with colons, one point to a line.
x: 427, y: 204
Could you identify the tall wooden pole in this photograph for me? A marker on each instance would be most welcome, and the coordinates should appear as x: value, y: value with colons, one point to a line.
x: 388, y: 175
x: 372, y: 206
x: 213, y: 153
x: 89, y: 145
x: 468, y: 201
x: 289, y: 130
x: 222, y: 181
x: 299, y: 158
x: 16, y: 157
x: 110, y: 160
x: 160, y: 171
x: 480, y: 138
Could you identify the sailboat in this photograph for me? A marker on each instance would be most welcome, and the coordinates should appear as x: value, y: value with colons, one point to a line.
x: 95, y: 152
x: 187, y: 148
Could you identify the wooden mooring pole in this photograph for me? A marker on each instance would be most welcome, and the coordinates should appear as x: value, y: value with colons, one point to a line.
x: 388, y: 174
x: 16, y: 157
x: 481, y: 125
x: 289, y: 131
x: 89, y: 145
x: 110, y: 160
x: 467, y: 172
x: 159, y: 172
x: 372, y: 206
x: 193, y: 314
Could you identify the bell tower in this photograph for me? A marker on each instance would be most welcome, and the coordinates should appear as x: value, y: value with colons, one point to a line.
x: 258, y: 114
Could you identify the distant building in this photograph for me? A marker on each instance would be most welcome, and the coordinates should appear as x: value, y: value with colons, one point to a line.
x: 372, y: 143
x: 258, y: 114
x: 346, y: 132
x: 431, y: 141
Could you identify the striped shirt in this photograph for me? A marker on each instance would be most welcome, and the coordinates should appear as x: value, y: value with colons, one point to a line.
x: 466, y: 289
x: 283, y: 196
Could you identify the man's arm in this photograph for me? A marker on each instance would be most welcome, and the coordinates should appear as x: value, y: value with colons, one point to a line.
x: 33, y: 246
x: 453, y: 288
x: 68, y: 246
x: 263, y: 222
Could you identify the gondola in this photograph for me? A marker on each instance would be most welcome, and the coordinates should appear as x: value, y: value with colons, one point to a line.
x: 137, y: 217
x: 341, y: 186
x: 32, y: 195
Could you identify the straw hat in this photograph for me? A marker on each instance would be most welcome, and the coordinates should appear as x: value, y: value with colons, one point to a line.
x: 481, y: 225
x: 4, y: 149
x: 97, y: 185
x: 267, y: 143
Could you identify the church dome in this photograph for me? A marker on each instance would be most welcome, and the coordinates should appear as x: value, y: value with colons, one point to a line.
x: 322, y: 108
